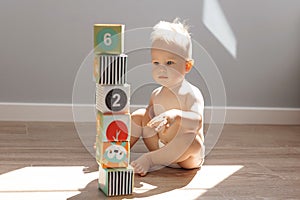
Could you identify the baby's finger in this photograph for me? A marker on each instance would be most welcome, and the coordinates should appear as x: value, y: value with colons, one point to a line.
x: 160, y: 126
x: 155, y: 121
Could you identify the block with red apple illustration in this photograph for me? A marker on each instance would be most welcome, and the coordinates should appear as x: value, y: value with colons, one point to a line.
x: 112, y: 128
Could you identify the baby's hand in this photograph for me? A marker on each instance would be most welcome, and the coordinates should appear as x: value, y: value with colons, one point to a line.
x: 158, y: 123
x: 162, y: 121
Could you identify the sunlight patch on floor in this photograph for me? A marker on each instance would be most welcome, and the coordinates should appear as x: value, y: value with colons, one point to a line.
x: 38, y: 195
x: 64, y: 182
x: 207, y: 178
x: 211, y: 175
x: 44, y: 182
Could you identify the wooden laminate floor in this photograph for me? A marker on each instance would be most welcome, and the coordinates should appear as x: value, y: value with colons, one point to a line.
x: 40, y: 160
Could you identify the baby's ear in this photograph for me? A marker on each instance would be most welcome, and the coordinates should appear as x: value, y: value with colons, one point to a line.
x: 188, y: 65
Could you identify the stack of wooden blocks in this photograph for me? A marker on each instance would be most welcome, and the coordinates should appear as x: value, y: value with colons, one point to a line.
x: 113, y: 116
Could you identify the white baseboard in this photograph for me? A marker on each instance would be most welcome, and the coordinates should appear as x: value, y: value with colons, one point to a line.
x: 258, y: 115
x: 86, y: 113
x: 35, y: 112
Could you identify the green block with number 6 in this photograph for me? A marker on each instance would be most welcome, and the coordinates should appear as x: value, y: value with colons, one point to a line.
x: 109, y: 38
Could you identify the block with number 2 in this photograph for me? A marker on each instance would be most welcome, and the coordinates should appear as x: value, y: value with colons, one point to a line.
x: 113, y: 98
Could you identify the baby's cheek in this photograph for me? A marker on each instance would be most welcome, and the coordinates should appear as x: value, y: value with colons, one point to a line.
x: 175, y: 76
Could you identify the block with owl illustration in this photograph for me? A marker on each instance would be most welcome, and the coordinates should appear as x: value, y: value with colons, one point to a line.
x: 112, y: 154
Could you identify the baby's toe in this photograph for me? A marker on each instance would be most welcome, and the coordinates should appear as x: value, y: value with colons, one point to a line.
x: 138, y: 169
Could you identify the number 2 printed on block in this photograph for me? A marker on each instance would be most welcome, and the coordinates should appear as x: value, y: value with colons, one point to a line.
x: 112, y: 99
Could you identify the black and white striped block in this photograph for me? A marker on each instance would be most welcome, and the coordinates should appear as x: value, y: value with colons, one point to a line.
x: 117, y: 181
x: 113, y: 98
x: 110, y: 69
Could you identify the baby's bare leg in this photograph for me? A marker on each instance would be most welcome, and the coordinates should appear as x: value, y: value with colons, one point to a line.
x: 139, y: 120
x: 193, y: 157
x: 150, y: 138
x: 136, y: 125
x: 180, y: 149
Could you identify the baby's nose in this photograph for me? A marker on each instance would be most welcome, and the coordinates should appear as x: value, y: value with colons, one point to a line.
x: 163, y: 68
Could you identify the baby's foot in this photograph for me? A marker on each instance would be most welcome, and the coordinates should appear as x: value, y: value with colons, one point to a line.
x: 142, y: 164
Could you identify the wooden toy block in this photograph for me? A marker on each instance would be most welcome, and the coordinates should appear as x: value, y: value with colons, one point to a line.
x: 110, y: 69
x: 112, y: 154
x: 113, y: 98
x: 109, y: 38
x: 111, y: 128
x: 114, y: 182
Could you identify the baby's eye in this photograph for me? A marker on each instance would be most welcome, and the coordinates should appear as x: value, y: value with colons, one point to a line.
x: 155, y: 63
x: 170, y: 62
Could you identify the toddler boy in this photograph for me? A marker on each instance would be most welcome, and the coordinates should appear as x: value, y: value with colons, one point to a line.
x: 172, y: 124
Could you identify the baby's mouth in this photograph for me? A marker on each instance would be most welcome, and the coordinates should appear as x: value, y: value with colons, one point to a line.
x: 162, y: 77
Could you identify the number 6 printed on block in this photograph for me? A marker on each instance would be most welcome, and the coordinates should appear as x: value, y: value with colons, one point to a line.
x: 108, y: 38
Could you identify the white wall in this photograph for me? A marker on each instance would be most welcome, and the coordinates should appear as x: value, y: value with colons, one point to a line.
x: 43, y: 43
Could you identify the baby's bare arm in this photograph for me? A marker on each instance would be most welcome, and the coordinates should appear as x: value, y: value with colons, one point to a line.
x: 188, y: 120
x: 189, y: 116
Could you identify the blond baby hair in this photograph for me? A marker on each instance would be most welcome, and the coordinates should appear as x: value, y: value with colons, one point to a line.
x: 175, y: 33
